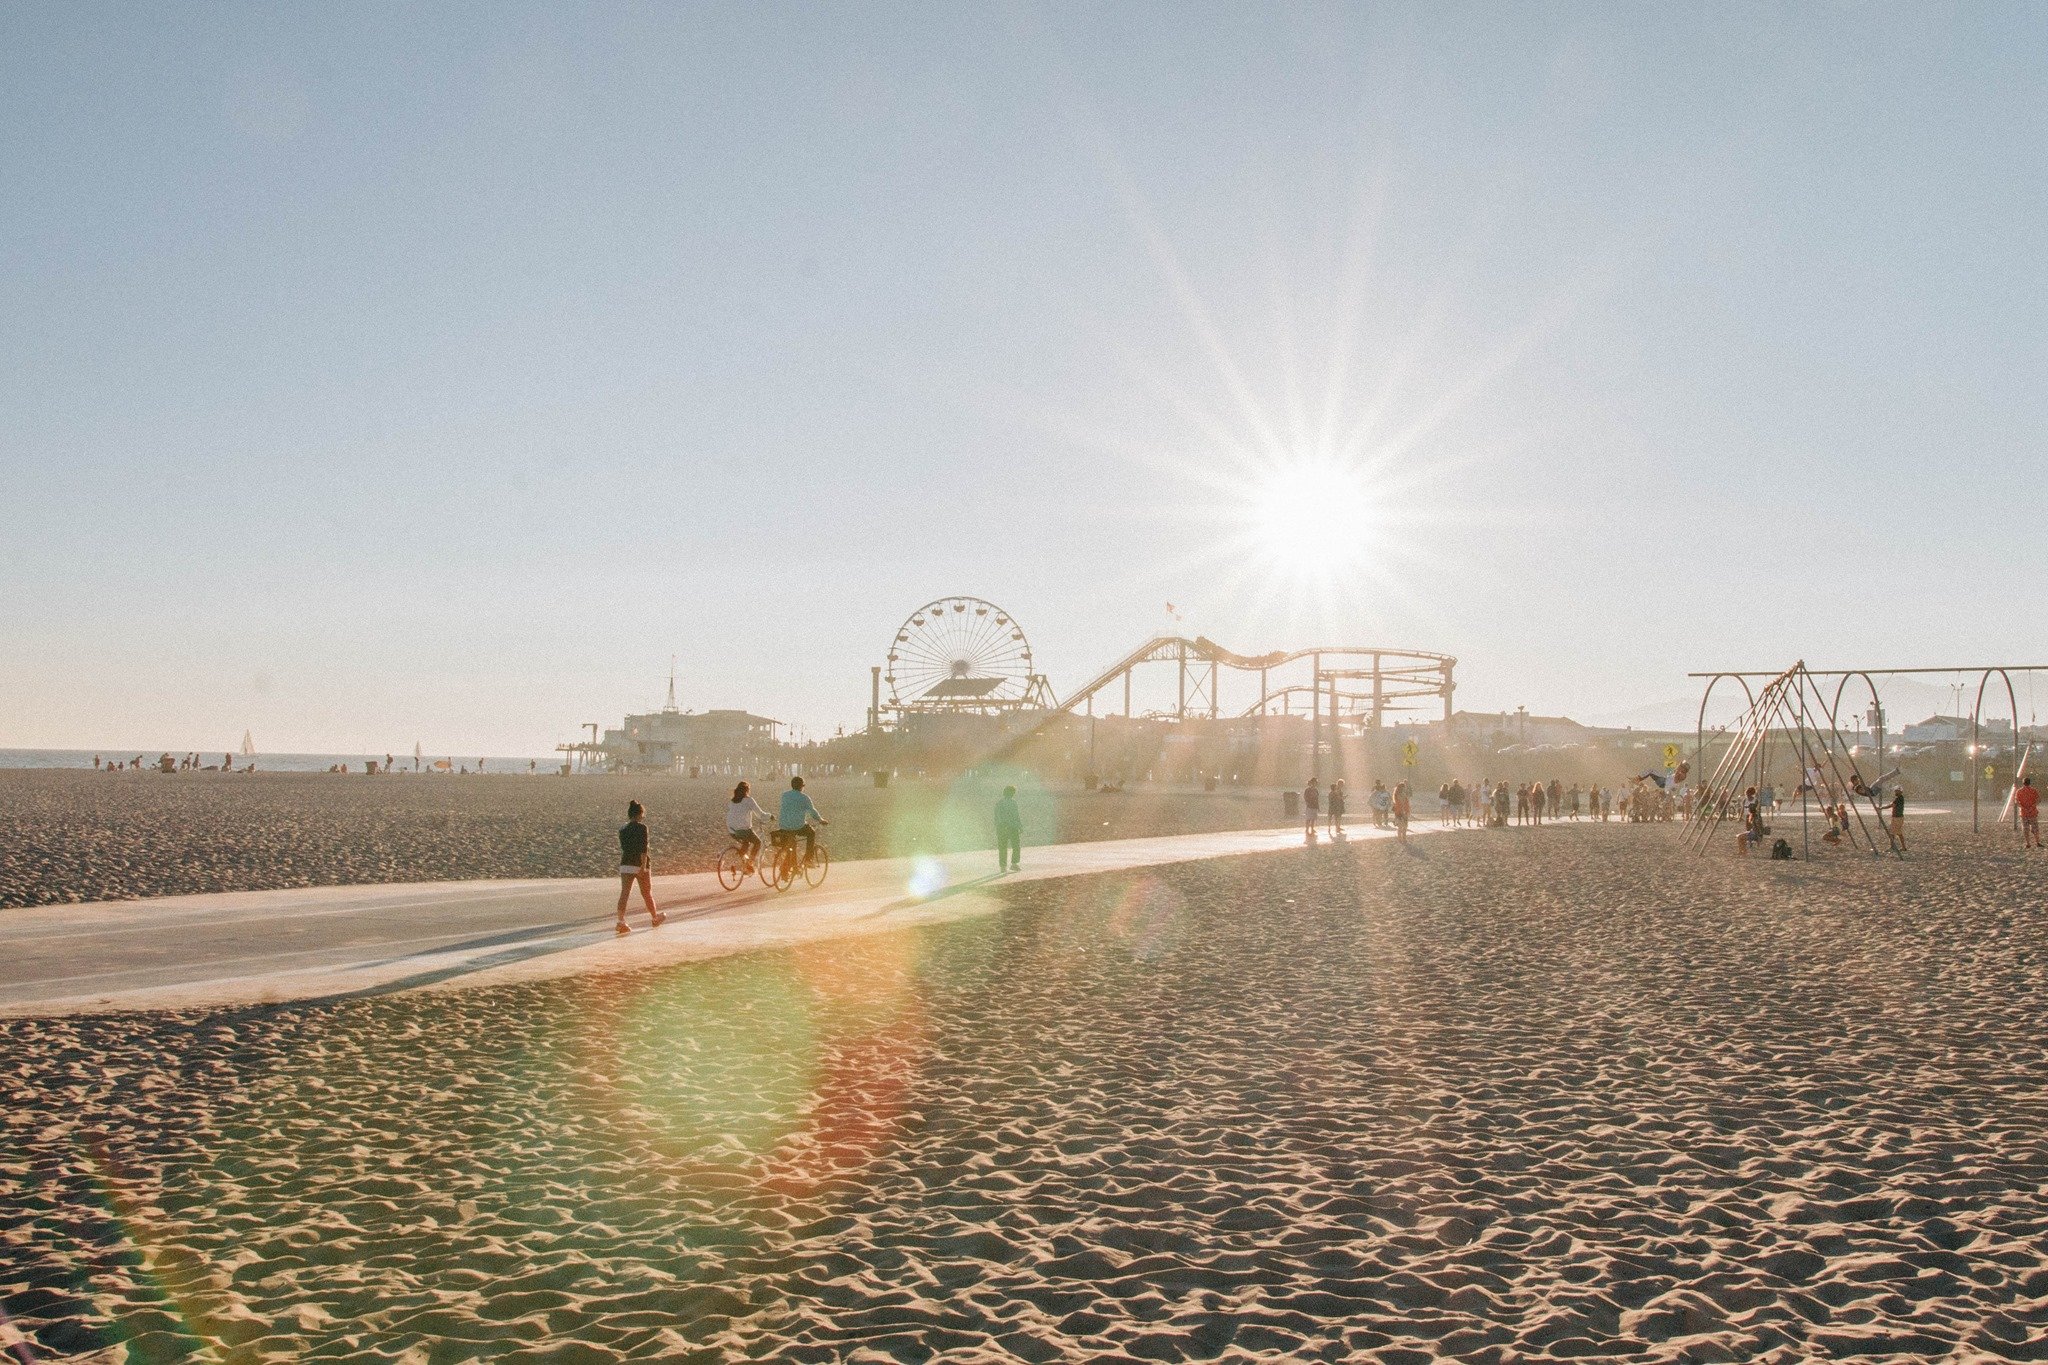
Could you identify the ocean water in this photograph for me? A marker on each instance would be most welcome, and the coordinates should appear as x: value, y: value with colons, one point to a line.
x: 274, y: 763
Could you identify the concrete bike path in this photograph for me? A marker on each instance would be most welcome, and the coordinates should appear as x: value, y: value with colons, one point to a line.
x: 262, y: 947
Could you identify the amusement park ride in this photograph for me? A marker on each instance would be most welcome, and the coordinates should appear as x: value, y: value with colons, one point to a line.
x: 958, y: 656
x: 959, y: 684
x: 965, y: 656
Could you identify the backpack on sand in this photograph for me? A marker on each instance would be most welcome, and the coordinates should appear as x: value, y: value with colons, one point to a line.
x: 1781, y: 850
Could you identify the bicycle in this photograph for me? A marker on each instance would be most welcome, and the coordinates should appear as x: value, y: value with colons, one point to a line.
x: 787, y: 863
x: 736, y: 863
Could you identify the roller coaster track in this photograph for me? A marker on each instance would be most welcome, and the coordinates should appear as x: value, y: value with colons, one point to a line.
x: 1398, y: 674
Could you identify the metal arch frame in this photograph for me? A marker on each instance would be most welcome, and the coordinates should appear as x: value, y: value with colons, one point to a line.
x: 1976, y: 713
x: 1869, y: 676
x: 1784, y: 703
x: 1699, y: 727
x: 1876, y: 703
x: 1868, y: 682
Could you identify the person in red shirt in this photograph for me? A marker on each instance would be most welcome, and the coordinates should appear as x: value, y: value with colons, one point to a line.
x: 2029, y: 802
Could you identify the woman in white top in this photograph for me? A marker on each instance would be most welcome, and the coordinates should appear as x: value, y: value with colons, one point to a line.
x: 740, y: 815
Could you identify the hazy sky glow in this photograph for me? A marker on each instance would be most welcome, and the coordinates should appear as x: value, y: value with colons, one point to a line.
x: 373, y: 374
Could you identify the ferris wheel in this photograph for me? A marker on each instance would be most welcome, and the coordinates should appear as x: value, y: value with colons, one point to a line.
x: 959, y: 653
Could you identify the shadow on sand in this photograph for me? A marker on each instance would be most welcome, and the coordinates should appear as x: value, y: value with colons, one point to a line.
x: 942, y: 893
x: 525, y: 944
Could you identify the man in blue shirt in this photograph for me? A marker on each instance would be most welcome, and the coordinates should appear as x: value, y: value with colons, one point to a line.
x: 795, y: 816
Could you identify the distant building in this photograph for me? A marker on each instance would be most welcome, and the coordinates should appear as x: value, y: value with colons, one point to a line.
x: 1942, y: 729
x: 1495, y: 729
x: 1950, y: 729
x: 670, y: 740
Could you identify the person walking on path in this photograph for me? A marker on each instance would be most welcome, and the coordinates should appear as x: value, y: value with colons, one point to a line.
x: 1337, y: 808
x: 1899, y: 817
x: 1009, y: 832
x: 1312, y: 806
x: 1403, y: 807
x: 2028, y: 802
x: 634, y: 867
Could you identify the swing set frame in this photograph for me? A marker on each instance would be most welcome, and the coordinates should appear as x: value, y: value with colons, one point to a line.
x: 1869, y: 676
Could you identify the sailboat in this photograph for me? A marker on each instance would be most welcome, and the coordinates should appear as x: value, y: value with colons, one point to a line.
x: 248, y: 744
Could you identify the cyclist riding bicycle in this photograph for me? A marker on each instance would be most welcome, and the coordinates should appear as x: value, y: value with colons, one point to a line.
x: 794, y: 818
x: 740, y: 815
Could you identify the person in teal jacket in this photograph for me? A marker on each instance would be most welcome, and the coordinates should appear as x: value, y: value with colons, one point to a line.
x: 1009, y: 832
x: 795, y: 818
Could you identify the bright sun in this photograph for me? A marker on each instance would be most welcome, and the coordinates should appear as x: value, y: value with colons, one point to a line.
x: 1312, y: 517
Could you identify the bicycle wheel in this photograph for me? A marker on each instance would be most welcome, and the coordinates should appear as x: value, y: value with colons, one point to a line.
x: 814, y: 871
x: 785, y: 869
x: 732, y: 868
x: 766, y: 861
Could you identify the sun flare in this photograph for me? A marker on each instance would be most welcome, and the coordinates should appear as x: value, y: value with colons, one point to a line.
x: 1313, y: 517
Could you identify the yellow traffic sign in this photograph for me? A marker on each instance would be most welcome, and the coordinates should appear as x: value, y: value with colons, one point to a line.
x: 1408, y: 753
x: 1671, y: 755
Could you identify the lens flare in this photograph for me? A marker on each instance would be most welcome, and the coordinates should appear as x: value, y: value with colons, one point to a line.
x: 788, y: 1071
x: 927, y: 877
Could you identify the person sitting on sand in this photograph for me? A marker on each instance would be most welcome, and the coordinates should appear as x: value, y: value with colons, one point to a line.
x: 1752, y: 821
x: 1009, y: 832
x: 635, y: 866
x: 740, y: 814
x: 795, y: 818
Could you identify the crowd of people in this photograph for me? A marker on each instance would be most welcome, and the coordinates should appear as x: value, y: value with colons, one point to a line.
x: 1497, y: 805
x: 167, y: 763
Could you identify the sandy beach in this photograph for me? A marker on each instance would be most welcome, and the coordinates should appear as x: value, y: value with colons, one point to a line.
x: 1499, y: 1097
x: 76, y: 835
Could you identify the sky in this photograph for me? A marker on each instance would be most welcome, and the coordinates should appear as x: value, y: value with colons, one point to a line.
x: 381, y: 374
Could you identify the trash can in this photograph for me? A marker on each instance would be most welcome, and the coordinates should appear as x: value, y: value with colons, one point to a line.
x: 1291, y: 802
